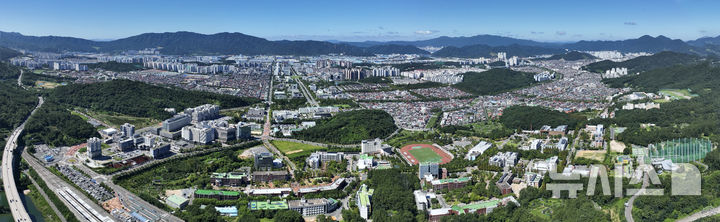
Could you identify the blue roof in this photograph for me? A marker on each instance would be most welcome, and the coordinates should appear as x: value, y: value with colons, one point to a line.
x: 138, y: 216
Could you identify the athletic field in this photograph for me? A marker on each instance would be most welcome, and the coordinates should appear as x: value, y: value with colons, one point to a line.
x: 420, y: 153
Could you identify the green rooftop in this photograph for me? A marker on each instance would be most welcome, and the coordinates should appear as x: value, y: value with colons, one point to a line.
x: 364, y: 194
x: 364, y: 156
x: 451, y: 180
x: 177, y: 200
x: 475, y: 206
x: 231, y: 175
x: 267, y: 205
x: 217, y: 192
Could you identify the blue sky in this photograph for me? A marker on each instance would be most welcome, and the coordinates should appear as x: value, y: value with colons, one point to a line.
x: 360, y: 20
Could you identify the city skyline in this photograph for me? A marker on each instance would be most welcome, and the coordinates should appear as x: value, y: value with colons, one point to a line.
x: 559, y: 21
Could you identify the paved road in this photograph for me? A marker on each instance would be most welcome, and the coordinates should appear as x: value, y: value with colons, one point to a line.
x: 17, y: 209
x: 47, y: 199
x: 306, y: 92
x: 20, y: 79
x: 628, y: 208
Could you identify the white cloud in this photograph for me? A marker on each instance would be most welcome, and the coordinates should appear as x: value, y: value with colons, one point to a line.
x: 426, y: 32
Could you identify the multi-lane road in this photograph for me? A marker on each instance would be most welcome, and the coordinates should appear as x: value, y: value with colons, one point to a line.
x: 17, y: 209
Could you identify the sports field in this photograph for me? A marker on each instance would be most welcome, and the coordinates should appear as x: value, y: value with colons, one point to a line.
x: 420, y: 153
x: 290, y: 148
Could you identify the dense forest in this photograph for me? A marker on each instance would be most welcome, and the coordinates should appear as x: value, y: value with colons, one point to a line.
x: 350, y: 127
x: 494, y: 81
x: 393, y: 199
x: 534, y: 117
x: 116, y: 66
x: 140, y: 99
x: 54, y: 125
x: 15, y: 105
x: 8, y: 71
x: 645, y: 63
x: 695, y: 77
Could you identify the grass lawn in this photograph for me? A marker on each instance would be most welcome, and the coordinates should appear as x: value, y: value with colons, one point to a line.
x: 543, y: 207
x: 46, y: 84
x: 290, y: 148
x: 116, y: 119
x: 676, y: 94
x: 598, y: 155
x: 425, y: 155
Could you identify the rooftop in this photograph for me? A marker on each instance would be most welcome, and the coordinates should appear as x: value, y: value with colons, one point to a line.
x: 175, y: 199
x: 476, y: 206
x: 451, y: 180
x: 217, y: 192
x: 268, y: 205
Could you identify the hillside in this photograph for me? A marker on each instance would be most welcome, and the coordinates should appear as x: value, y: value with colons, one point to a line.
x: 571, y: 56
x: 350, y: 127
x: 534, y: 117
x: 6, y: 53
x: 645, y: 43
x: 695, y: 77
x: 139, y: 99
x: 494, y: 81
x: 474, y: 51
x: 645, y: 63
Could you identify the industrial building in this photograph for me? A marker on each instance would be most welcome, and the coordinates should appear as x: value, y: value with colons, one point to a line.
x: 176, y: 201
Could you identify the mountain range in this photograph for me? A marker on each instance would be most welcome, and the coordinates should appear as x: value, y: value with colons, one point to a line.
x: 190, y: 43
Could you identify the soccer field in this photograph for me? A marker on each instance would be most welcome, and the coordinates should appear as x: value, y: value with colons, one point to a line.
x: 425, y: 154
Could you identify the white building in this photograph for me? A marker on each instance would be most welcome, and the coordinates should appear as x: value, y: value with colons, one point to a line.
x: 478, y: 150
x: 371, y: 146
x: 94, y: 148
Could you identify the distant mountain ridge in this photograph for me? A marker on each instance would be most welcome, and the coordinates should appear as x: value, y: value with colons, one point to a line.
x: 190, y: 43
x: 442, y: 41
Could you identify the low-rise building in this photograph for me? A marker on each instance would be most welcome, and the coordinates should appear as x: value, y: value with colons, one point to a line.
x: 217, y: 194
x: 268, y: 176
x: 232, y: 179
x: 501, y: 159
x: 450, y: 183
x: 176, y: 201
x: 477, y: 150
x: 312, y: 207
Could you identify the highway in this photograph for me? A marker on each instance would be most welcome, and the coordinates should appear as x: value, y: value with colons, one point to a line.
x: 305, y: 91
x: 17, y: 209
x: 266, y: 128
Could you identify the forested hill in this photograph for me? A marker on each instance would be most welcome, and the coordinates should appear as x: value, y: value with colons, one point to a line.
x: 571, y: 56
x: 350, y: 127
x: 698, y: 77
x: 645, y: 63
x: 475, y: 51
x: 140, y: 99
x: 494, y: 81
